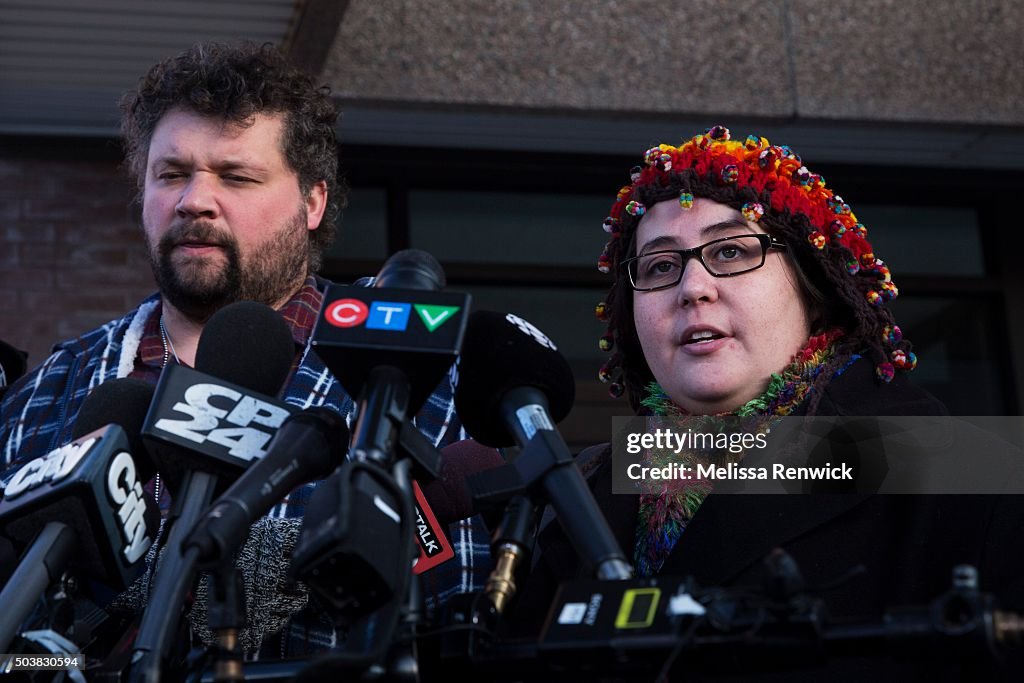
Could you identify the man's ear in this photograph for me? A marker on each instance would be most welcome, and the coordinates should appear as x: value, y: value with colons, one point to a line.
x: 316, y: 205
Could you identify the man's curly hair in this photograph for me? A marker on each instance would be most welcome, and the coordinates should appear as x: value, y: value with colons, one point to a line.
x: 234, y: 82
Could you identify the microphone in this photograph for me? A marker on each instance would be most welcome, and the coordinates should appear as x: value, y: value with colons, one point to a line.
x: 335, y: 558
x: 12, y: 365
x: 125, y: 402
x: 450, y: 495
x: 447, y: 499
x: 202, y: 427
x: 219, y: 417
x: 90, y: 488
x: 403, y: 322
x: 355, y: 547
x: 503, y: 353
x: 513, y: 386
x: 305, y: 448
x: 411, y: 269
x: 248, y: 344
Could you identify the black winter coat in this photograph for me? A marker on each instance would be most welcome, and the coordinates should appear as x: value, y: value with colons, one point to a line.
x: 906, y: 544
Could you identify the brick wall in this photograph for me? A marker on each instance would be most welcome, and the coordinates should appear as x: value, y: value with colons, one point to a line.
x: 72, y: 253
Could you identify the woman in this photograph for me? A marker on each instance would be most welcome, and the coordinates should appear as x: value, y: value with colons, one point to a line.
x: 816, y: 274
x: 744, y: 285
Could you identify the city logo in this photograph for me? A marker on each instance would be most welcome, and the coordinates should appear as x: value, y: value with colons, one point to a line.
x: 346, y: 313
x: 435, y: 316
x: 126, y: 492
x: 52, y: 468
x: 388, y: 315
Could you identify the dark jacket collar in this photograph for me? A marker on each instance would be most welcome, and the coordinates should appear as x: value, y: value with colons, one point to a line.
x: 730, y: 533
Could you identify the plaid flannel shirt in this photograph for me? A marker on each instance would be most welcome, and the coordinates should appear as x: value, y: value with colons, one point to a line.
x: 38, y: 412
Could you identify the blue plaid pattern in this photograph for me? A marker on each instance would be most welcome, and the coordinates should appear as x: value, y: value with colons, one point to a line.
x: 38, y: 412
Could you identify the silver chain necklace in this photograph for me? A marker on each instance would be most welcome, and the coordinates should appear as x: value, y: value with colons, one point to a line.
x: 168, y: 350
x: 168, y: 344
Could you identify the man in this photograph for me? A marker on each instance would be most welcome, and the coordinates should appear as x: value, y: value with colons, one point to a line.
x: 234, y: 154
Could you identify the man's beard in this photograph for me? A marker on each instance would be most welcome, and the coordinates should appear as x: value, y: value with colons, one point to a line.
x: 200, y: 285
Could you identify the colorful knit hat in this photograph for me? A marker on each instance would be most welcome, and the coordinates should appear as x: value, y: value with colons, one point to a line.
x: 770, y: 185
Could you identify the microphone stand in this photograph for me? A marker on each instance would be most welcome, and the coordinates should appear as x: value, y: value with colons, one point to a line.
x: 381, y: 432
x: 511, y: 545
x: 471, y: 614
x: 543, y: 470
x: 42, y: 564
x: 715, y: 625
x: 226, y: 616
x: 163, y: 606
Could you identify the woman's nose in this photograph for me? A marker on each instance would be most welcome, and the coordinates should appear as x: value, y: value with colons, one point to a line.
x: 696, y: 284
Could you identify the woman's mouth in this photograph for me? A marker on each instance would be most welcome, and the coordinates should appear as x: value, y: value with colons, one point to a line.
x: 699, y: 341
x: 703, y: 337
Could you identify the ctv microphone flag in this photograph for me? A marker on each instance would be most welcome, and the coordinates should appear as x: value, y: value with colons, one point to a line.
x: 417, y: 331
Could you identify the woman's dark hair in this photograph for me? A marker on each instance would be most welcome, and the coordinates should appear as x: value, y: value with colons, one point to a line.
x: 233, y: 83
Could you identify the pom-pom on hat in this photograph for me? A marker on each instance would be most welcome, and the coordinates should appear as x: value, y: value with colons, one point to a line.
x: 770, y: 185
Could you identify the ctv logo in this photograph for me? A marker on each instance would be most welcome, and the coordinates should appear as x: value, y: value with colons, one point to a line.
x: 346, y: 312
x: 388, y: 315
x: 392, y: 316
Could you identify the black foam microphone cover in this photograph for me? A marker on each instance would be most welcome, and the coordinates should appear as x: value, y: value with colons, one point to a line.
x: 248, y: 344
x: 123, y: 401
x: 13, y: 363
x: 501, y: 352
x: 449, y: 495
x: 411, y: 269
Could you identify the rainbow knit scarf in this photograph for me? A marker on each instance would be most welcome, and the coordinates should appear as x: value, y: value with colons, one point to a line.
x: 664, y: 516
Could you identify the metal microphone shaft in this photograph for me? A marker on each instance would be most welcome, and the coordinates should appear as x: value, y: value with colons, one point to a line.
x: 43, y: 563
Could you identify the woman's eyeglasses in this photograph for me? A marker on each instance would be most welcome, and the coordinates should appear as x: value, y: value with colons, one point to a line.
x: 723, y: 257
